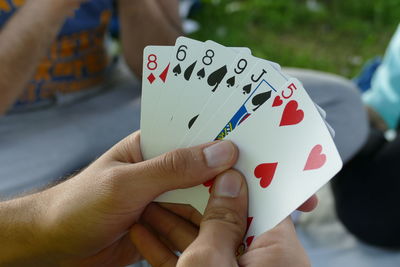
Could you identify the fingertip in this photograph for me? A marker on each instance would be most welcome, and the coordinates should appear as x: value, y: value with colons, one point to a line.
x: 310, y: 204
x: 220, y: 154
x: 226, y: 211
x: 228, y: 185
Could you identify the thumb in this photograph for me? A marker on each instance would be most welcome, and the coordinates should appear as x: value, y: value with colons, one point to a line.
x: 223, y: 226
x: 186, y: 167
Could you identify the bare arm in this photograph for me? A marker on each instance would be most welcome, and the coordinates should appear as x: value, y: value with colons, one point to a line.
x: 24, y: 41
x: 20, y: 232
x: 145, y: 22
x: 84, y: 221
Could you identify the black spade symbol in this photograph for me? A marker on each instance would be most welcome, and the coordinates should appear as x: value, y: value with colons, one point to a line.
x: 191, y: 122
x: 177, y: 70
x: 201, y: 74
x: 247, y: 89
x: 231, y: 81
x: 260, y: 99
x: 189, y: 70
x: 216, y: 77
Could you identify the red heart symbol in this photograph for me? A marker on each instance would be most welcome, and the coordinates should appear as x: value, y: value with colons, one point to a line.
x: 277, y: 101
x: 266, y: 172
x: 249, y: 240
x: 291, y: 115
x: 209, y: 184
x: 315, y: 159
x: 249, y: 221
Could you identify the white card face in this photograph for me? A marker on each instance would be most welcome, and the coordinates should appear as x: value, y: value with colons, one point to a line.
x: 155, y: 78
x: 210, y: 71
x: 262, y: 74
x: 237, y: 71
x: 286, y: 151
x: 250, y: 95
x: 182, y: 62
x: 286, y: 155
x: 213, y: 63
x: 196, y: 196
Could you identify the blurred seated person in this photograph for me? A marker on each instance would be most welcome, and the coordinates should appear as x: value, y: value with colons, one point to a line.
x: 367, y: 190
x: 62, y: 100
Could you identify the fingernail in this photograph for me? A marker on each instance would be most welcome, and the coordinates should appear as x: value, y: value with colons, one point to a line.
x: 219, y: 154
x: 228, y: 185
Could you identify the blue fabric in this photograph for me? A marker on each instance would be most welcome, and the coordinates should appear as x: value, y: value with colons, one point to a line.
x: 87, y: 17
x: 364, y: 79
x: 77, y: 59
x: 384, y: 95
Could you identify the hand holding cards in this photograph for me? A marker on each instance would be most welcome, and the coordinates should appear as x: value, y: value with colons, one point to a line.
x: 199, y: 92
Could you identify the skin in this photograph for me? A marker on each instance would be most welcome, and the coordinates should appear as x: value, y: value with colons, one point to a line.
x: 222, y: 229
x: 155, y: 22
x: 85, y: 221
x: 29, y: 34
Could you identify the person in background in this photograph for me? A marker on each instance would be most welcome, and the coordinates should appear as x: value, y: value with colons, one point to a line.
x: 367, y: 190
x: 63, y: 102
x: 90, y: 219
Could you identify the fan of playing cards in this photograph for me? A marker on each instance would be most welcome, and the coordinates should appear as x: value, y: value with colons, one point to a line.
x: 198, y: 92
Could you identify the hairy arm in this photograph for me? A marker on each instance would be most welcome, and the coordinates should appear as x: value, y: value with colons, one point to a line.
x: 24, y: 41
x: 145, y: 22
x: 21, y: 236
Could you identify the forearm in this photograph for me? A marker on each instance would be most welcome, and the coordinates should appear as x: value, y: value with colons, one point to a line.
x: 146, y: 22
x: 170, y: 9
x: 24, y: 41
x: 20, y: 232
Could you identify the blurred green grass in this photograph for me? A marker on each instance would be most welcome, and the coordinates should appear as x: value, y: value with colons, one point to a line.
x: 337, y: 36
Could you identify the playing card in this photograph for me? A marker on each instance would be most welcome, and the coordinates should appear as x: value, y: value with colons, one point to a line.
x: 252, y: 100
x: 155, y: 76
x: 183, y: 60
x: 197, y: 92
x: 286, y: 155
x: 211, y: 70
x: 261, y: 83
x: 237, y: 71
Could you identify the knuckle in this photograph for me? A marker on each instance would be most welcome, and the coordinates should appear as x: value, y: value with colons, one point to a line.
x: 177, y: 162
x: 226, y: 216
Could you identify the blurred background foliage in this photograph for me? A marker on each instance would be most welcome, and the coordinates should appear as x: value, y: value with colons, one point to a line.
x: 337, y: 36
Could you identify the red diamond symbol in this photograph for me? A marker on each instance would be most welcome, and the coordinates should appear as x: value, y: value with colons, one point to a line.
x: 151, y: 78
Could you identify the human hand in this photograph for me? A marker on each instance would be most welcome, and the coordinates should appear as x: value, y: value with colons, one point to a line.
x: 376, y: 120
x: 221, y: 232
x: 85, y: 220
